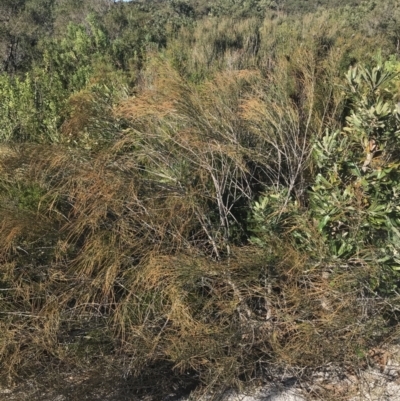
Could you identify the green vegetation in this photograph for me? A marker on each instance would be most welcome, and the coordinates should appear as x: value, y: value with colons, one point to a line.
x: 197, y: 195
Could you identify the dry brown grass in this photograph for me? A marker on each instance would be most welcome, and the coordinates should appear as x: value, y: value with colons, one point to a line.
x: 133, y: 257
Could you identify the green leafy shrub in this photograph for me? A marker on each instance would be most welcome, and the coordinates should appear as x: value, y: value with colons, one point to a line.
x: 354, y: 198
x: 31, y: 107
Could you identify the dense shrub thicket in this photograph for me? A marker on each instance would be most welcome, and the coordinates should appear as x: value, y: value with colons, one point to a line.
x: 196, y: 195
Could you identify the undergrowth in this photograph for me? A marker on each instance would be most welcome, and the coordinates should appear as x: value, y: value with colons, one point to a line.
x: 232, y: 216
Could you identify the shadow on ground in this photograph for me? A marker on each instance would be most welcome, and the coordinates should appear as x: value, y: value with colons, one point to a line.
x: 159, y: 383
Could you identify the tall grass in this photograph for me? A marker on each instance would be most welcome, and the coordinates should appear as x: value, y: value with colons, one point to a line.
x: 125, y: 250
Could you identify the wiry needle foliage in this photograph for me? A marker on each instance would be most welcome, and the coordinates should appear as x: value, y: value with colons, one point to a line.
x: 188, y: 228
